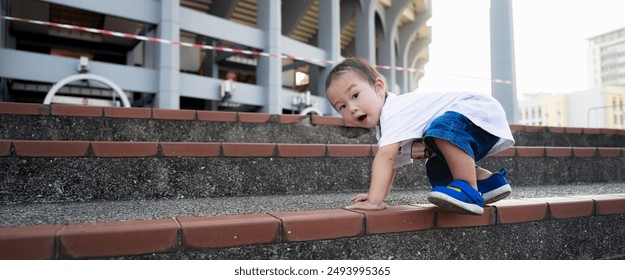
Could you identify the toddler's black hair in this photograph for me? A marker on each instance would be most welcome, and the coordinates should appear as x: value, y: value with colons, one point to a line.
x: 358, y: 65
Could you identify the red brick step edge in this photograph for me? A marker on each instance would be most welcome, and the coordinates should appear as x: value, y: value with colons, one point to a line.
x: 33, y: 109
x: 123, y: 238
x: 54, y: 148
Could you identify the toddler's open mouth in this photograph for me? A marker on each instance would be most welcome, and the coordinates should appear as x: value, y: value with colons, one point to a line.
x: 362, y: 118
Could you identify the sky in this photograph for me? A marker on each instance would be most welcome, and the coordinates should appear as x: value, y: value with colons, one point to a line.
x: 550, y: 43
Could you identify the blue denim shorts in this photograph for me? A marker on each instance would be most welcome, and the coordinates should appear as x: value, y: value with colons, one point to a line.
x: 460, y: 131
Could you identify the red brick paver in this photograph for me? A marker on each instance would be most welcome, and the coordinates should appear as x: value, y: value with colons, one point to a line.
x: 119, y: 238
x: 609, y: 152
x: 5, y: 148
x: 301, y: 150
x: 124, y: 149
x: 608, y: 204
x: 347, y: 150
x: 584, y: 152
x: 15, y: 108
x: 519, y: 211
x: 326, y: 120
x: 169, y: 114
x: 76, y: 111
x: 213, y: 116
x: 37, y: 148
x: 129, y: 113
x: 229, y: 231
x: 254, y: 117
x: 530, y: 151
x: 320, y: 224
x: 448, y: 219
x: 558, y: 151
x: 399, y: 219
x: 567, y: 207
x: 248, y: 149
x: 185, y: 149
x: 291, y: 119
x: 28, y: 243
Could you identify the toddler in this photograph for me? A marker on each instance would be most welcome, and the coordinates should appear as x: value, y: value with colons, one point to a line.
x: 457, y: 129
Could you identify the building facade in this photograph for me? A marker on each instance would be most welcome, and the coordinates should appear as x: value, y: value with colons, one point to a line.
x: 606, y: 59
x: 275, y: 54
x: 599, y: 107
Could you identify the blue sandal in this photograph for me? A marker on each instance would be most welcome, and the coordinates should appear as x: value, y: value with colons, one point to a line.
x: 495, y: 188
x: 458, y: 196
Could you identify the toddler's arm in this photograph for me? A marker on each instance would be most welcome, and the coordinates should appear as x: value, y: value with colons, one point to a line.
x: 382, y: 176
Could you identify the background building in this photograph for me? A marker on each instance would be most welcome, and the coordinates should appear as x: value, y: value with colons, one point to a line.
x: 602, y: 105
x: 544, y: 109
x: 606, y: 59
x: 297, y: 38
x: 598, y: 107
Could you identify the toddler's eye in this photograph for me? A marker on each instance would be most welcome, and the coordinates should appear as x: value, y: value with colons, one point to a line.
x: 355, y: 95
x: 341, y: 107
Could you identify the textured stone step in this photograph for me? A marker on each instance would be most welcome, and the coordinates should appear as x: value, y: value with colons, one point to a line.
x: 142, y: 183
x: 528, y: 228
x: 23, y: 121
x: 62, y: 122
x: 43, y: 171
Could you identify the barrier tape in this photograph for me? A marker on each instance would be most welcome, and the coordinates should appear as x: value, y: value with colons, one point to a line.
x: 208, y: 47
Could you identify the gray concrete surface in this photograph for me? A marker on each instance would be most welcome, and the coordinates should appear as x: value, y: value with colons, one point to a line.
x: 121, y: 129
x: 39, y: 180
x: 141, y: 209
x: 592, y: 238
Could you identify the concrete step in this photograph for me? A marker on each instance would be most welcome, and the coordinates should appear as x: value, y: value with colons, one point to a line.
x: 142, y: 183
x: 50, y: 171
x: 23, y: 121
x: 62, y: 122
x: 32, y: 214
x: 530, y: 225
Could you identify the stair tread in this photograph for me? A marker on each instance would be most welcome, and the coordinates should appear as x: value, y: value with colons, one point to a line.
x: 37, y: 122
x: 15, y: 215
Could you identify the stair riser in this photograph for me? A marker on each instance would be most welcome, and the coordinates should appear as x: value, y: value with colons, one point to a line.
x: 119, y: 129
x: 24, y: 127
x: 84, y: 179
x: 542, y: 240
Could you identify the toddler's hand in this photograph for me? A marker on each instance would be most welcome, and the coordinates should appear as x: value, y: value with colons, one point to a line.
x: 366, y: 205
x: 360, y: 197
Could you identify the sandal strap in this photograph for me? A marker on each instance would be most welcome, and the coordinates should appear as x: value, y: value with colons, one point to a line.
x: 503, y: 172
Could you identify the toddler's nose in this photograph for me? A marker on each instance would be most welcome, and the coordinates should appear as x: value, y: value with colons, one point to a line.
x: 353, y: 109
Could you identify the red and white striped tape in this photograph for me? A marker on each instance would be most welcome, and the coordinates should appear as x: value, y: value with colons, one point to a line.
x: 207, y: 47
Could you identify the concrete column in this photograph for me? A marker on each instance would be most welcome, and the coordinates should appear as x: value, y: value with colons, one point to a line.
x: 3, y: 25
x: 387, y: 54
x: 409, y: 48
x: 386, y: 57
x: 502, y: 56
x: 365, y: 30
x: 3, y: 32
x: 168, y: 96
x: 269, y: 69
x: 211, y: 69
x: 329, y: 39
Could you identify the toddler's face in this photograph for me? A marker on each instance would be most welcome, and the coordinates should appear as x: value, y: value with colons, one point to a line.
x: 359, y: 102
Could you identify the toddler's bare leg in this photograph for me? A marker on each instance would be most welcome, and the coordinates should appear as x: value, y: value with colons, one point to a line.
x: 482, y: 174
x: 461, y: 164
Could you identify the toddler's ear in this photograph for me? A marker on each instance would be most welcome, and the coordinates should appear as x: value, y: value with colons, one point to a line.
x: 380, y: 87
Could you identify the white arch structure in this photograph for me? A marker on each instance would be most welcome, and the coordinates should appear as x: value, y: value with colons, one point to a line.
x: 77, y: 77
x: 311, y: 111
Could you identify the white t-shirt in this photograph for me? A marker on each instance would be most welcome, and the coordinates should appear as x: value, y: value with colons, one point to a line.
x: 406, y: 117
